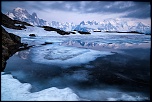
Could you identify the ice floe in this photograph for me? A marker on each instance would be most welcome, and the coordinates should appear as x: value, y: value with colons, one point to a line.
x: 13, y: 90
x: 111, y: 94
x: 65, y: 56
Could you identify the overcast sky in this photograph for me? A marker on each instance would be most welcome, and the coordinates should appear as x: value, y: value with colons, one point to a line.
x: 77, y: 11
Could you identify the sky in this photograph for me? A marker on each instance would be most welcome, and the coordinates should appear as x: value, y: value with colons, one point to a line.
x: 77, y: 11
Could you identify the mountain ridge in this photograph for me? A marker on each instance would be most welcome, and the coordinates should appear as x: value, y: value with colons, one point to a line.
x: 117, y: 24
x: 22, y: 15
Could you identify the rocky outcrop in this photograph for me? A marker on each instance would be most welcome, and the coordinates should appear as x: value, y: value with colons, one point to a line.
x: 14, y: 24
x: 61, y: 32
x: 82, y: 32
x: 32, y: 35
x: 10, y: 44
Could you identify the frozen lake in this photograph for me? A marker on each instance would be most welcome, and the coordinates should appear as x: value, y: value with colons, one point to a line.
x: 97, y: 67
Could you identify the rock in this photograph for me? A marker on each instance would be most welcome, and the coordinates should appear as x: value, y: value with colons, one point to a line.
x: 82, y: 32
x: 32, y: 35
x: 61, y: 32
x: 9, y: 23
x: 10, y: 44
x: 47, y: 43
x: 73, y: 32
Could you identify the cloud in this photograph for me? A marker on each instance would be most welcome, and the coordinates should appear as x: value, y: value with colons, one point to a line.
x: 127, y: 9
x: 141, y: 10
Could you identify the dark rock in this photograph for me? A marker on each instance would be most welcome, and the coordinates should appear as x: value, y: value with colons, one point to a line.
x: 61, y: 32
x: 32, y: 35
x: 10, y: 44
x: 47, y: 43
x: 97, y: 31
x: 9, y: 23
x: 81, y: 32
x: 73, y: 32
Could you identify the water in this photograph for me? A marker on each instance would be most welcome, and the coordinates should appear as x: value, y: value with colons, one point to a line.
x: 125, y: 73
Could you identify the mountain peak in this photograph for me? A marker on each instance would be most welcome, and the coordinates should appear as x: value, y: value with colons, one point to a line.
x: 34, y: 14
x: 22, y: 15
x: 19, y: 9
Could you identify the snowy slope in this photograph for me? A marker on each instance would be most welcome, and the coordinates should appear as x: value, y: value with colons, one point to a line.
x: 38, y: 31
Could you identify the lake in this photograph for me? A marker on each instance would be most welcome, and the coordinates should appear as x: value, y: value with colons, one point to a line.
x: 97, y: 67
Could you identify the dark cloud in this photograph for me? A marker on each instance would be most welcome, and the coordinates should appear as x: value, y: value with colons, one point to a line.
x: 129, y: 8
x: 141, y: 10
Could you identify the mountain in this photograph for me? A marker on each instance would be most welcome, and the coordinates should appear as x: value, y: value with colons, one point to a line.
x: 63, y: 26
x: 22, y: 15
x: 117, y: 25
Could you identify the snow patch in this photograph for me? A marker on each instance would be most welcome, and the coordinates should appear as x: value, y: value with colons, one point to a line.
x: 31, y: 30
x: 10, y: 15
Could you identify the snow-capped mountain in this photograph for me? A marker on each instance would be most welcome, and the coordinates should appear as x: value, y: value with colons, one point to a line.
x: 119, y: 25
x: 63, y: 26
x: 22, y: 15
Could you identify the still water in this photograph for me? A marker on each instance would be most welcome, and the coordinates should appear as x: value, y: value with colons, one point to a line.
x: 126, y: 71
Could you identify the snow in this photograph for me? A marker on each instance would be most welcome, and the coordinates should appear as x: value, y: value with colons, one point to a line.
x: 18, y: 8
x: 38, y: 31
x: 23, y: 16
x: 117, y: 24
x: 13, y: 90
x: 122, y: 25
x: 65, y: 56
x: 10, y: 15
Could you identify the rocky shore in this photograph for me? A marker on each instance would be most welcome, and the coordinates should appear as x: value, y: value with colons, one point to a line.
x: 10, y: 44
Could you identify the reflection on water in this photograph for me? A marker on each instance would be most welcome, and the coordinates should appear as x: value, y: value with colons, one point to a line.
x: 105, y: 46
x: 127, y: 72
